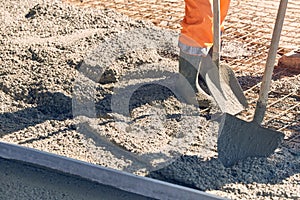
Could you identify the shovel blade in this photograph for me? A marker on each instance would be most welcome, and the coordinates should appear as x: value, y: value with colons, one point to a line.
x: 239, y: 140
x: 223, y: 86
x: 229, y: 78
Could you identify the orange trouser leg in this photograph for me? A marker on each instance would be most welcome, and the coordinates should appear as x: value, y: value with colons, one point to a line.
x: 197, y: 25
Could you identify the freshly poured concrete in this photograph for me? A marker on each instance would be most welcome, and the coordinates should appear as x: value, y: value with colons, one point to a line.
x: 42, y: 46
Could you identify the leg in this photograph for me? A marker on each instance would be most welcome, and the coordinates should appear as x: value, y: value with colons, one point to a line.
x: 189, y: 69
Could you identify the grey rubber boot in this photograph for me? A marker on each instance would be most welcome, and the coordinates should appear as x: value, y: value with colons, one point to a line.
x: 189, y: 69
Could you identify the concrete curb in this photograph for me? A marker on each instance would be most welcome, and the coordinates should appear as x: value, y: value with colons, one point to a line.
x: 125, y: 181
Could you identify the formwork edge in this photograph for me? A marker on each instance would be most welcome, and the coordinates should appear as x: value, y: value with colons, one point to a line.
x: 144, y: 186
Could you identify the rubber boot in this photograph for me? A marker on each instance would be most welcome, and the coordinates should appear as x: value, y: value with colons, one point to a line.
x: 189, y: 69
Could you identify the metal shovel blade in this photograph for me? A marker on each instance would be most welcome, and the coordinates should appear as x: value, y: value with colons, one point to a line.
x: 239, y: 140
x: 223, y: 86
x: 230, y: 79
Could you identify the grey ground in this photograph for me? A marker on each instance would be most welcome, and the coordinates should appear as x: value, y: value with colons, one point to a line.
x: 66, y: 75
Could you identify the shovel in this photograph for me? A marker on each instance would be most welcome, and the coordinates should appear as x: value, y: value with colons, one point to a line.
x: 221, y: 80
x: 238, y: 139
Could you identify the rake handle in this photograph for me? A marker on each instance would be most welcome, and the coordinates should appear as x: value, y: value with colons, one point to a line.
x: 261, y: 105
x: 216, y: 29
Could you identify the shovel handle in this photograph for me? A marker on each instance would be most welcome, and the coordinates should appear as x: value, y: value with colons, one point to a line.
x: 216, y: 29
x: 261, y: 105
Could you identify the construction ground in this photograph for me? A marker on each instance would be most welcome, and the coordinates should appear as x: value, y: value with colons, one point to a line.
x: 46, y: 103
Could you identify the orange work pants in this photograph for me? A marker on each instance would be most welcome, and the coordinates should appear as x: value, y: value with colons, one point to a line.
x: 197, y: 25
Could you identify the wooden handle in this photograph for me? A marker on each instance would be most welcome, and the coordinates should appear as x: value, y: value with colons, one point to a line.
x: 216, y: 28
x: 261, y: 105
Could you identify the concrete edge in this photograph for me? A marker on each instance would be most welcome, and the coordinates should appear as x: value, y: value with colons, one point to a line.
x: 125, y: 181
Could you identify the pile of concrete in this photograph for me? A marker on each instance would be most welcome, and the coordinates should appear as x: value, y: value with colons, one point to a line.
x: 61, y: 69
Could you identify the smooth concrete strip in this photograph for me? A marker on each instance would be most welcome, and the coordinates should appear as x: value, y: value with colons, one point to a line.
x: 128, y: 182
x: 20, y: 180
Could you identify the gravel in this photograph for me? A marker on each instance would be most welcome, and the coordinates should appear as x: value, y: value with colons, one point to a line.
x: 98, y: 86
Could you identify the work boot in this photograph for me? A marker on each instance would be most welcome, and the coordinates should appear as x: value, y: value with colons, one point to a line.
x: 188, y: 68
